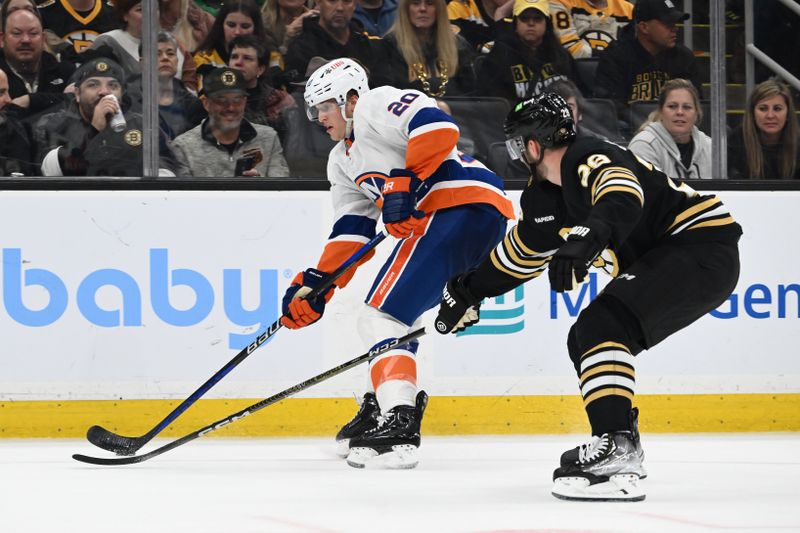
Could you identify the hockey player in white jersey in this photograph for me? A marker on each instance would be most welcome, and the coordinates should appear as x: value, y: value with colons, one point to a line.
x: 396, y: 160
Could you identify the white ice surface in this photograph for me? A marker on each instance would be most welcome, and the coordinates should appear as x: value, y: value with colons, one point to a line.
x: 716, y: 482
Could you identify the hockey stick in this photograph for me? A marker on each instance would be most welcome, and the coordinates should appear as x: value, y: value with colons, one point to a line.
x: 121, y: 445
x: 335, y: 371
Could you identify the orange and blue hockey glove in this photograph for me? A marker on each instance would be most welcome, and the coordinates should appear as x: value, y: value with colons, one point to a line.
x: 400, y: 215
x: 299, y: 312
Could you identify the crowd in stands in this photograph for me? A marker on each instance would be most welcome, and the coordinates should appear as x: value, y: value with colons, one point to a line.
x: 231, y: 76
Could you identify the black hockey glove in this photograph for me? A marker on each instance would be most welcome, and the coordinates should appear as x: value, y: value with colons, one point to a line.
x: 459, y: 308
x: 570, y: 264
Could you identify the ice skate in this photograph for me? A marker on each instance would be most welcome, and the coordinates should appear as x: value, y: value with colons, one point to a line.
x: 394, y: 441
x: 571, y: 456
x: 608, y: 468
x: 365, y: 419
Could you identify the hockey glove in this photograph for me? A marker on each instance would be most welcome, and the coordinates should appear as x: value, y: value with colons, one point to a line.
x: 399, y: 214
x: 459, y: 308
x: 570, y: 264
x: 298, y: 312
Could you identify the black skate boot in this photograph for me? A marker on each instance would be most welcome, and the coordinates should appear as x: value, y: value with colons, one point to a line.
x: 365, y: 419
x: 395, y: 439
x: 608, y: 468
x: 570, y: 456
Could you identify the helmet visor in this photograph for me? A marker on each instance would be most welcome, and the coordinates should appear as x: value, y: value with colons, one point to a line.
x: 515, y: 147
x: 313, y: 111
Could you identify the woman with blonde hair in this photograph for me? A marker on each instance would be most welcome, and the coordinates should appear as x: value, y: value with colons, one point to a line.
x: 424, y: 52
x: 765, y: 145
x: 670, y: 138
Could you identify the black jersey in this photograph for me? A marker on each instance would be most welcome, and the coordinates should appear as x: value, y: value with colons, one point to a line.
x: 79, y: 28
x: 605, y: 187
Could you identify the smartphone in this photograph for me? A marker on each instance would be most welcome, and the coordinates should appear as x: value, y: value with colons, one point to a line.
x: 244, y: 163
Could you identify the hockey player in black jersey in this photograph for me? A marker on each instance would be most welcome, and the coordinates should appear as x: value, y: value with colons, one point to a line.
x: 673, y: 255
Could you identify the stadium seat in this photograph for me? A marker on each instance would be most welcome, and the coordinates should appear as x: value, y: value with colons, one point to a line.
x: 586, y: 68
x: 480, y: 120
x: 599, y: 116
x: 306, y: 146
x: 638, y: 113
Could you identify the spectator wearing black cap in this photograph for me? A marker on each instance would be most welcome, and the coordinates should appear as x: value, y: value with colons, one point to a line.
x: 527, y: 56
x: 82, y: 141
x: 636, y: 66
x: 226, y: 144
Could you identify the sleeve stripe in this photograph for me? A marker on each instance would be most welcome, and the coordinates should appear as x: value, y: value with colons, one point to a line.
x: 508, y: 258
x: 356, y: 225
x: 519, y: 275
x: 635, y: 191
x: 611, y: 173
x: 426, y: 128
x: 692, y: 211
x: 430, y: 116
x: 426, y: 151
x: 335, y: 253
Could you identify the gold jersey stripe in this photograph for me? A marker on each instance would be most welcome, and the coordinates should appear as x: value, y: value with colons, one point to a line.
x: 514, y: 258
x: 620, y: 188
x: 702, y: 206
x: 499, y: 265
x: 516, y: 238
x: 611, y: 173
x: 713, y: 222
x: 603, y: 345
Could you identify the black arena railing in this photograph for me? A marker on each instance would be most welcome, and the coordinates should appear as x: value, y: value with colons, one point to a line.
x: 301, y: 184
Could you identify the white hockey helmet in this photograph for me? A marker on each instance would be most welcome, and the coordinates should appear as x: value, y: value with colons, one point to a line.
x: 332, y: 81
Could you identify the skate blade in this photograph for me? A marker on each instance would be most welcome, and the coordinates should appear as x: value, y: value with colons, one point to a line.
x: 402, y: 457
x: 618, y: 488
x: 343, y: 448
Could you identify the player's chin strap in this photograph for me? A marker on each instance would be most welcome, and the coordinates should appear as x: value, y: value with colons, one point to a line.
x: 348, y: 127
x: 533, y: 164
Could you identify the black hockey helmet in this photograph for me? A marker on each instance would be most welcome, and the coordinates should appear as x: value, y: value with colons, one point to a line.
x: 546, y: 118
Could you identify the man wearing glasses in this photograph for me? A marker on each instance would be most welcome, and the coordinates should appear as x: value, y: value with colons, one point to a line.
x: 226, y: 144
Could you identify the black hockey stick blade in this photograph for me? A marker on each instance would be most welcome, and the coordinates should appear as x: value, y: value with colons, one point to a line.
x: 335, y: 371
x: 122, y: 445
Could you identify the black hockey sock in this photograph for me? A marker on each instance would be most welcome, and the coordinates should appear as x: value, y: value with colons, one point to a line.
x: 609, y: 414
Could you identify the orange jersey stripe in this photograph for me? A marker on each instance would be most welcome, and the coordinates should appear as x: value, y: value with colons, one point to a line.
x: 400, y: 261
x: 426, y: 151
x: 453, y: 196
x: 394, y: 367
x: 336, y: 253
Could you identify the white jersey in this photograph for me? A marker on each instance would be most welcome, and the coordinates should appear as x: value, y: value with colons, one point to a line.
x: 399, y: 128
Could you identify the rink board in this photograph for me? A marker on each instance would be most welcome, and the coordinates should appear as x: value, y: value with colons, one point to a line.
x: 117, y: 305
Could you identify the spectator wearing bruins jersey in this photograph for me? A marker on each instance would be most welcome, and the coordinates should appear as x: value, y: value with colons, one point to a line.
x: 647, y: 54
x: 526, y: 57
x: 78, y: 22
x: 477, y: 20
x: 673, y: 254
x: 586, y: 27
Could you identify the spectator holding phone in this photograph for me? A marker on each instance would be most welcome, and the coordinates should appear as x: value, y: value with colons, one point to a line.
x: 226, y: 144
